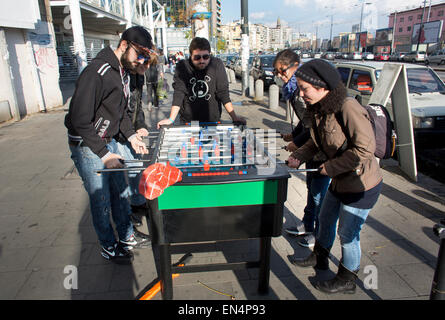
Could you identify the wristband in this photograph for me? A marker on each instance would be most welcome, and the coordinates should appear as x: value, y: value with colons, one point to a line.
x: 172, y: 121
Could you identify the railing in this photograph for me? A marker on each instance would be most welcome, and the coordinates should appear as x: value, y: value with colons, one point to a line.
x: 111, y: 6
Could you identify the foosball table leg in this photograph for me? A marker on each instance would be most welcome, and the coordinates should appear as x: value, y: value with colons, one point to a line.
x: 264, y: 272
x: 166, y: 272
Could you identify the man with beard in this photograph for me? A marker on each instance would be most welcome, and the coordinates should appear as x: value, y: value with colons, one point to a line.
x: 97, y: 114
x: 200, y: 87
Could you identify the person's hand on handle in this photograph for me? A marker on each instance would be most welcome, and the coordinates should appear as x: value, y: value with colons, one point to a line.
x: 142, y: 132
x: 293, y: 162
x: 138, y: 145
x: 113, y: 161
x: 291, y: 147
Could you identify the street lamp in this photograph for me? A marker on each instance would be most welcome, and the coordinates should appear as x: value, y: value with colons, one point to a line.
x: 360, y: 28
x: 330, y: 34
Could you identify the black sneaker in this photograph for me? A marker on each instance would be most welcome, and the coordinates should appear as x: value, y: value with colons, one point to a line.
x: 298, y: 230
x: 137, y: 241
x: 117, y: 254
x: 136, y: 220
x: 140, y: 210
x: 307, y: 241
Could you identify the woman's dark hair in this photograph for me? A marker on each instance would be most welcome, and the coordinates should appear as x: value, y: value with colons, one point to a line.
x: 199, y: 44
x: 286, y: 57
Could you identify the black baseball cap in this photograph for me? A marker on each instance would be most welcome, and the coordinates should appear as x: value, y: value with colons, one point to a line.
x: 138, y: 35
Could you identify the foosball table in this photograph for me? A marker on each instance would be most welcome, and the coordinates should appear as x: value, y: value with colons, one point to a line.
x: 232, y: 188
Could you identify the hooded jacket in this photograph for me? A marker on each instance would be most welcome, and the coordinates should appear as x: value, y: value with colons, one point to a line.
x: 355, y: 169
x: 200, y: 93
x: 96, y: 112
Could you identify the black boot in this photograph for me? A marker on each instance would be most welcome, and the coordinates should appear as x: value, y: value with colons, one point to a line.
x: 319, y: 258
x: 343, y: 282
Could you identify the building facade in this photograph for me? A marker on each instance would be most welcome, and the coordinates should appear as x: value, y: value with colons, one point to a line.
x: 29, y: 81
x: 403, y: 24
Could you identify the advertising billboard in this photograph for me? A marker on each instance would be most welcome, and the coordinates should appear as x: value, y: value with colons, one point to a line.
x: 429, y: 32
x: 344, y: 41
x: 363, y: 39
x: 383, y: 37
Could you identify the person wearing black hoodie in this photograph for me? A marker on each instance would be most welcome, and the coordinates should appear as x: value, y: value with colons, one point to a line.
x: 97, y: 114
x: 200, y: 87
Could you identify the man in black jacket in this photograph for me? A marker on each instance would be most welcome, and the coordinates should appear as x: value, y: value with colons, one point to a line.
x: 200, y: 87
x: 97, y: 114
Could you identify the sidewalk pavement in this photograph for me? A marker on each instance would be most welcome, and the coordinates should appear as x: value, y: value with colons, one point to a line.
x: 46, y: 232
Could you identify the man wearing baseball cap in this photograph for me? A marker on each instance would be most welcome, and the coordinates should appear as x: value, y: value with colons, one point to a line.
x: 97, y: 113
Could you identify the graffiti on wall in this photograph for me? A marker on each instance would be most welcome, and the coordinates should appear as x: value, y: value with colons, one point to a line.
x: 45, y: 58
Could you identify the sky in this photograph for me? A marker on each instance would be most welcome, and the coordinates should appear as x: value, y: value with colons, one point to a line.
x: 309, y: 16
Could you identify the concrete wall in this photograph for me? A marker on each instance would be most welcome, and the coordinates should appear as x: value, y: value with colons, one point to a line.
x: 29, y: 67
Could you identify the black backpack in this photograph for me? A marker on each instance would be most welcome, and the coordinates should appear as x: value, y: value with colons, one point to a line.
x: 385, y: 135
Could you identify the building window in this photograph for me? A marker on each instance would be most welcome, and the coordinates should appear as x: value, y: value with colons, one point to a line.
x: 402, y: 19
x: 408, y: 29
x: 400, y: 29
x: 419, y: 16
x: 440, y: 13
x: 410, y: 18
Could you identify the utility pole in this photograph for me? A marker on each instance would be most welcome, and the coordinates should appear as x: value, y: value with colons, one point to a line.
x: 330, y: 36
x: 360, y: 28
x: 244, y: 46
x: 421, y: 26
x: 393, y: 32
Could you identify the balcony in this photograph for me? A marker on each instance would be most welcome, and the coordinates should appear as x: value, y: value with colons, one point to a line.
x: 111, y: 6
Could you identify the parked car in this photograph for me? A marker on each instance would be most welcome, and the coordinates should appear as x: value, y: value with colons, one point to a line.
x: 338, y: 55
x: 237, y: 66
x: 355, y: 55
x: 262, y: 68
x: 316, y: 55
x: 415, y: 56
x: 305, y: 55
x: 381, y: 56
x: 328, y: 56
x: 426, y: 95
x: 367, y: 56
x: 397, y: 56
x: 436, y: 57
x: 228, y: 60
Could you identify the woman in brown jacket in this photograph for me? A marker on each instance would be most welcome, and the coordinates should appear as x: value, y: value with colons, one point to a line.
x: 342, y: 130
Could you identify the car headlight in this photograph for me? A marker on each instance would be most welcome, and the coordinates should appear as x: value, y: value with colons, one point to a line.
x: 268, y: 73
x: 422, y: 123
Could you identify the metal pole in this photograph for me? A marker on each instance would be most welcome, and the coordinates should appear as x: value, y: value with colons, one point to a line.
x: 164, y: 30
x: 79, y: 40
x: 393, y: 32
x: 150, y: 20
x: 438, y: 287
x: 421, y: 26
x: 360, y: 28
x: 330, y: 36
x: 429, y: 13
x: 244, y: 46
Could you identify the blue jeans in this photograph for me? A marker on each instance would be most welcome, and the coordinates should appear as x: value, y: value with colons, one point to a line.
x: 107, y: 192
x: 350, y: 222
x: 316, y: 189
x: 133, y: 177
